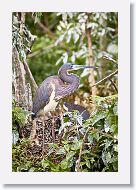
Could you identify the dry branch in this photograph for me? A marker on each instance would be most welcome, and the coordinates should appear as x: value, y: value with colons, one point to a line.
x: 30, y: 75
x: 108, y: 77
x: 113, y: 85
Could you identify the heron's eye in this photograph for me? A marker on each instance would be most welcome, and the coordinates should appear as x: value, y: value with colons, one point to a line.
x: 71, y: 66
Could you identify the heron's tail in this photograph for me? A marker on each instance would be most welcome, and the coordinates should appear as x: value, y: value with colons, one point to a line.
x: 33, y: 115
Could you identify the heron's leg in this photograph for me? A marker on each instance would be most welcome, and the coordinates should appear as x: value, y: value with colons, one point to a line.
x: 43, y: 138
x: 53, y: 127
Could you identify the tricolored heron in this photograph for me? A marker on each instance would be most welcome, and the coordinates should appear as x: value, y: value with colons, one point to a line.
x: 55, y: 88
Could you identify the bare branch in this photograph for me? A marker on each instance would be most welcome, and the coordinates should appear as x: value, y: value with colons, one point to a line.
x: 30, y: 74
x: 109, y: 76
x: 113, y: 85
x: 109, y: 59
x: 46, y: 30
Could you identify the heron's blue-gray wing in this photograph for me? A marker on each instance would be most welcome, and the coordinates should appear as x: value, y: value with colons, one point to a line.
x: 42, y: 96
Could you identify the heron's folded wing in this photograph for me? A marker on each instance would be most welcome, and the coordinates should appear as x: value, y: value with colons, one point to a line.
x: 42, y: 97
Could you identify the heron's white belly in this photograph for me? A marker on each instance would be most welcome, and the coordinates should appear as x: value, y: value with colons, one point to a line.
x: 50, y: 106
x: 52, y: 103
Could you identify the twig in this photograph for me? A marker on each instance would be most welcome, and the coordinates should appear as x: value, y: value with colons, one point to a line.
x: 30, y: 74
x: 104, y: 134
x: 41, y: 51
x: 109, y: 59
x: 109, y: 76
x: 77, y: 168
x: 113, y: 85
x: 51, y: 35
x: 46, y: 30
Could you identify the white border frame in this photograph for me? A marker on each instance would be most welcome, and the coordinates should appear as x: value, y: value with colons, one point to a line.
x: 6, y: 174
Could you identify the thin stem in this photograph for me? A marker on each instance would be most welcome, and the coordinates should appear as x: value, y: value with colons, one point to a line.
x: 113, y: 85
x: 80, y: 153
x: 109, y: 76
x: 27, y: 69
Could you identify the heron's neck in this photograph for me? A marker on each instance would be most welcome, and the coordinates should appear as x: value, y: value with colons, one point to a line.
x: 69, y: 78
x: 72, y: 82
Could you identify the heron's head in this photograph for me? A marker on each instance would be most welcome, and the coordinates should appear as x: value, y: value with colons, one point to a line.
x: 71, y: 66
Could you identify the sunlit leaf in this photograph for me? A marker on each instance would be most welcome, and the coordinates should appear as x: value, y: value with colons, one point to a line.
x: 70, y: 154
x: 88, y: 163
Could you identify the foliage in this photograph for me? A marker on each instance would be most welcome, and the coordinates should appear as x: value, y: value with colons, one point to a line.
x: 19, y: 118
x: 19, y: 115
x: 21, y: 37
x: 99, y: 151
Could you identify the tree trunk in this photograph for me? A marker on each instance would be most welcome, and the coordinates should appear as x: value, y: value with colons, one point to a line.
x: 19, y: 84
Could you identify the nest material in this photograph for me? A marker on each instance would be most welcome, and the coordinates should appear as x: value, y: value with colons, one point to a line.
x: 43, y: 136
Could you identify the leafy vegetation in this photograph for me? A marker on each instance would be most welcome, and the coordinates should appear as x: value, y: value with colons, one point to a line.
x: 93, y: 145
x: 43, y: 42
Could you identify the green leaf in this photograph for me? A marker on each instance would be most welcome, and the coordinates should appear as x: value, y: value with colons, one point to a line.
x: 76, y: 145
x: 108, y: 157
x: 90, y: 138
x: 64, y: 164
x: 70, y: 155
x: 61, y: 151
x: 55, y: 168
x: 88, y: 163
x: 97, y: 117
x: 32, y: 169
x: 115, y: 147
x: 45, y: 164
x: 106, y: 125
x: 92, y: 160
x: 115, y: 110
x: 85, y: 152
x: 107, y: 144
x: 66, y: 146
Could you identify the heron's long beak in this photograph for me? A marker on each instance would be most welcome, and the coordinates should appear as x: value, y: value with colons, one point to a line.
x: 76, y: 67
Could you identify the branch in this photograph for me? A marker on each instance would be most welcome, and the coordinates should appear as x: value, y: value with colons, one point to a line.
x: 113, y: 85
x: 30, y: 74
x: 51, y: 35
x: 77, y: 168
x: 103, y: 133
x: 46, y: 30
x: 108, y: 77
x: 109, y: 58
x: 41, y: 51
